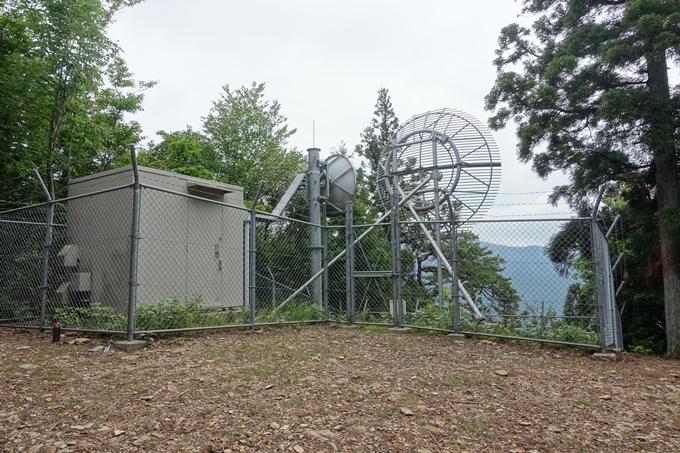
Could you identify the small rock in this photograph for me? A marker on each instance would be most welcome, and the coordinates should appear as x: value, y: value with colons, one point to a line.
x: 501, y: 372
x: 118, y: 432
x: 141, y: 441
x: 605, y: 397
x: 625, y: 426
x: 269, y: 386
x: 22, y: 348
x: 81, y: 340
x: 405, y: 411
x: 487, y: 342
x: 299, y: 449
x: 28, y: 366
x: 78, y: 427
x: 147, y: 398
x: 274, y: 425
x: 423, y: 450
x: 525, y: 423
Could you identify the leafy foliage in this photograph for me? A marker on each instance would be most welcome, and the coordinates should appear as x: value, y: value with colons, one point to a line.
x: 249, y: 135
x: 64, y: 90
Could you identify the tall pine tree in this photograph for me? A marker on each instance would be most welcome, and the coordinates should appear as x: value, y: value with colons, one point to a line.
x: 376, y: 138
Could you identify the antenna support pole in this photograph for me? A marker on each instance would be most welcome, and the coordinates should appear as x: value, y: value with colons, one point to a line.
x: 313, y: 195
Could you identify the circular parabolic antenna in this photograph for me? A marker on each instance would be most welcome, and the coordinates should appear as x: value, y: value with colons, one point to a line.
x: 339, y: 181
x: 449, y: 151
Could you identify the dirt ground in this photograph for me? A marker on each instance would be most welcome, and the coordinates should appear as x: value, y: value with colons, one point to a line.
x: 329, y: 388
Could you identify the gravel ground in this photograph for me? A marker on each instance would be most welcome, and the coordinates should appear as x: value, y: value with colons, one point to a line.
x: 329, y: 388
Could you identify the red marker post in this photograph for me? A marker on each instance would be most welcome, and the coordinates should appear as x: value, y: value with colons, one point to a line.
x: 56, y: 332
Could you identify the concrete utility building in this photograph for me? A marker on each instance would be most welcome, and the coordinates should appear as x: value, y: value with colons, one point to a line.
x: 188, y: 246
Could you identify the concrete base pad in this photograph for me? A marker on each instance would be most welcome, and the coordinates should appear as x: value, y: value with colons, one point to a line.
x: 607, y: 356
x: 129, y: 346
x: 456, y: 336
x: 399, y: 329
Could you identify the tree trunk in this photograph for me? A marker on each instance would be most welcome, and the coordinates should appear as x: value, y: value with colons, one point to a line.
x: 661, y: 140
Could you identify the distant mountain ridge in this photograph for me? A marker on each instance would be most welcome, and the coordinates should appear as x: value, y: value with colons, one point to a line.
x: 533, y: 276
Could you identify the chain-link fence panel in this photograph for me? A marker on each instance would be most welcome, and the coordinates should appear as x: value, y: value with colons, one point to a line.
x: 372, y: 274
x: 427, y: 275
x: 531, y: 279
x: 89, y: 279
x: 22, y: 235
x: 190, y: 263
x: 337, y: 273
x: 289, y: 281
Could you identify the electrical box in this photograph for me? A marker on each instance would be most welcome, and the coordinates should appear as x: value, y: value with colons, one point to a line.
x: 62, y: 293
x: 80, y: 282
x: 190, y: 230
x: 68, y: 256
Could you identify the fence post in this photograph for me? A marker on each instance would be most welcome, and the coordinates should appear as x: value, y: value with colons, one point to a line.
x: 246, y: 262
x: 253, y: 256
x: 597, y: 265
x: 326, y: 277
x: 349, y: 262
x: 46, y: 249
x: 134, y: 246
x: 396, y: 245
x: 454, y: 278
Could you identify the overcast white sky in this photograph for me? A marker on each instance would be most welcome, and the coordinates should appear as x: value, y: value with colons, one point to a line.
x: 324, y: 62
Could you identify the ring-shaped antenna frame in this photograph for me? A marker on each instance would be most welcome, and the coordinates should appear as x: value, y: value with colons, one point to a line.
x: 456, y: 150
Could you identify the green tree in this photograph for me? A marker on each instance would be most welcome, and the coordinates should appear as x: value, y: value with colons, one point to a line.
x: 377, y: 138
x: 250, y: 135
x: 481, y: 273
x: 592, y: 98
x: 64, y: 88
x: 186, y: 152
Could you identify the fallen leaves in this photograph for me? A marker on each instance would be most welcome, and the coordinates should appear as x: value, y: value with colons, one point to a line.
x: 332, y: 390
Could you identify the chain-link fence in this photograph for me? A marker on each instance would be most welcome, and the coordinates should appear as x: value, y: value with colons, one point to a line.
x: 182, y: 261
x: 529, y: 279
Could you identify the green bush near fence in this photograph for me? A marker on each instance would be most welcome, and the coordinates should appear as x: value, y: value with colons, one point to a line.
x: 295, y: 310
x: 94, y: 317
x: 174, y: 314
